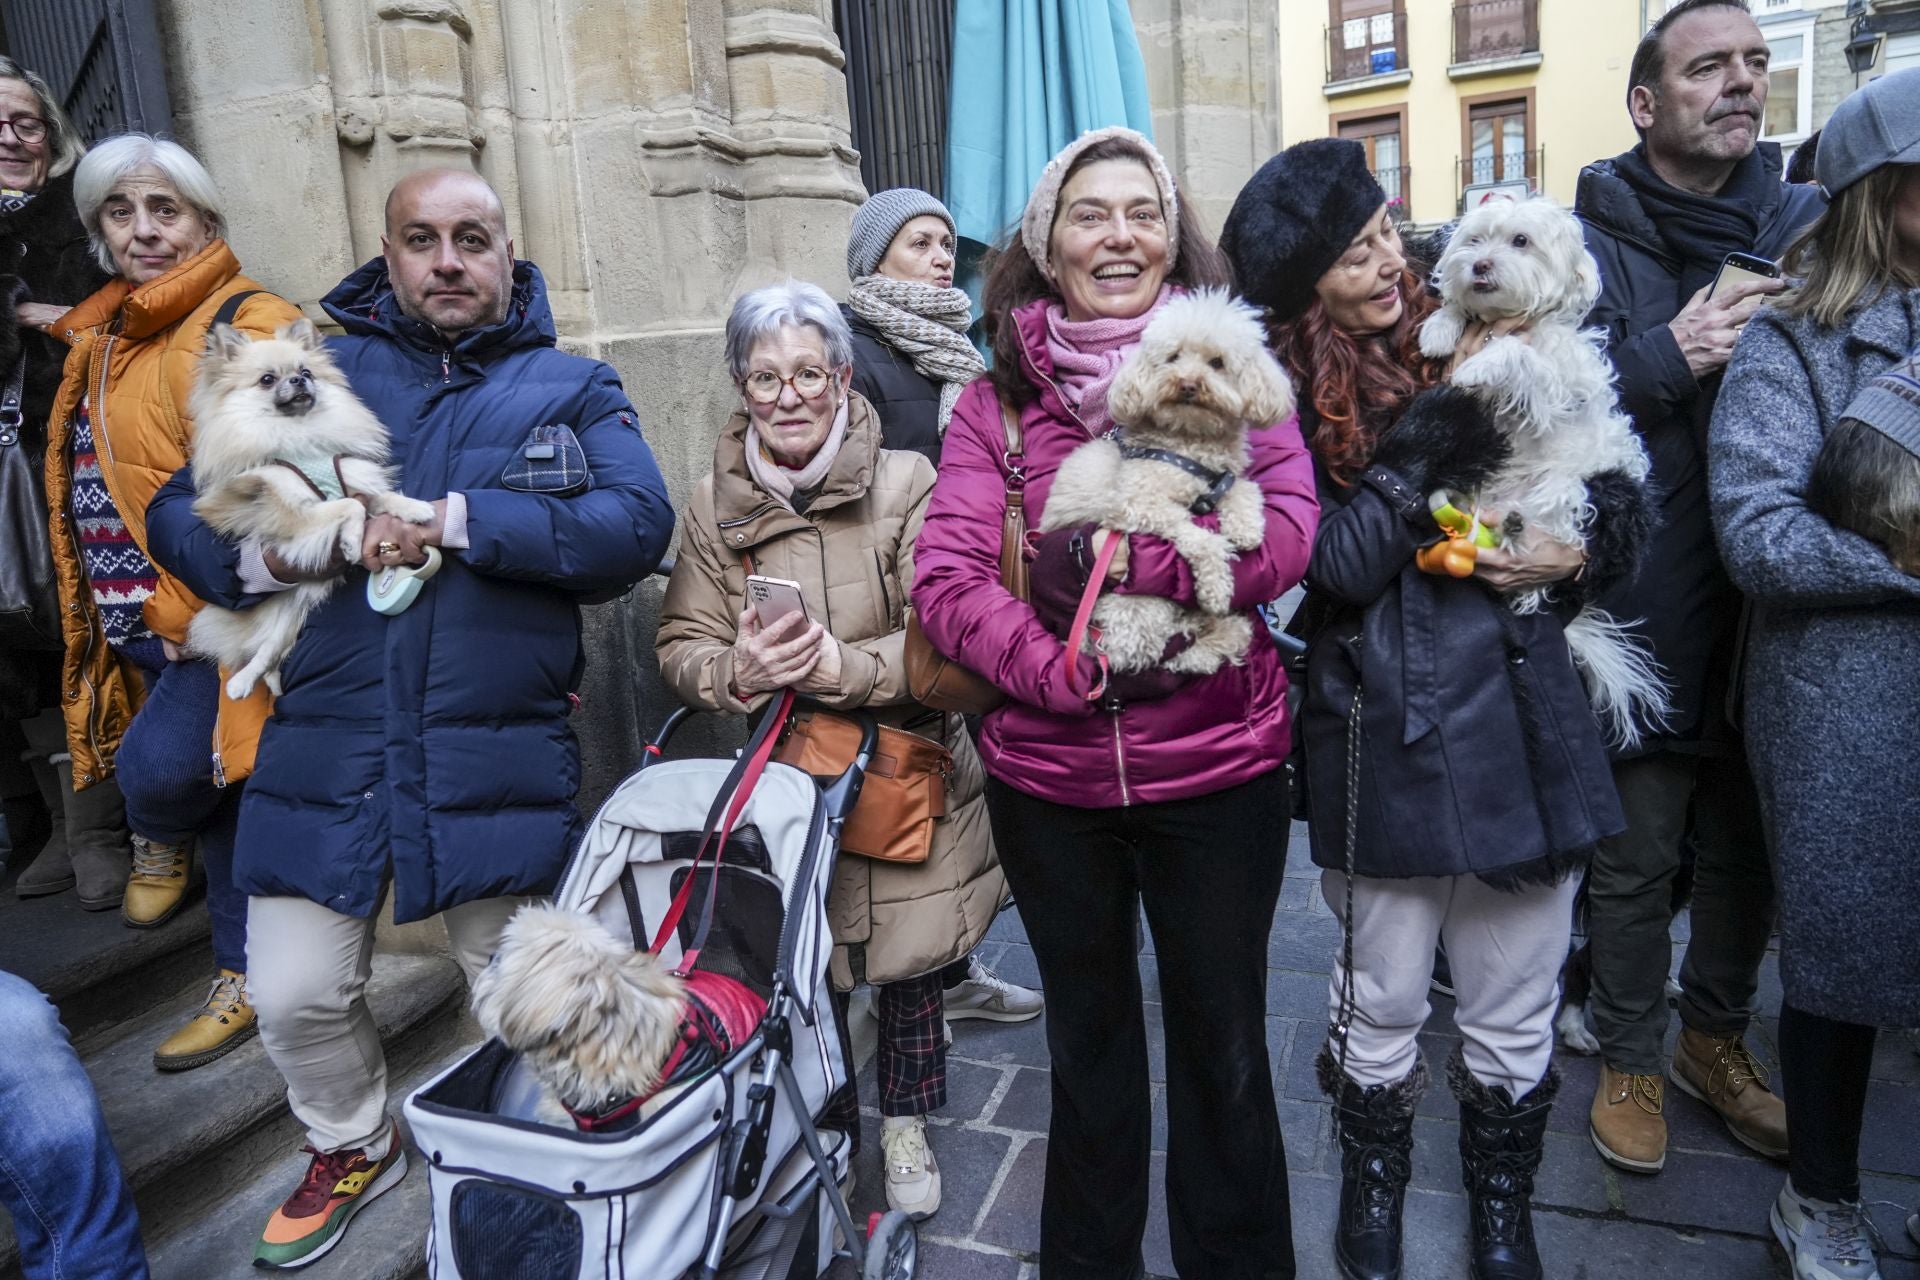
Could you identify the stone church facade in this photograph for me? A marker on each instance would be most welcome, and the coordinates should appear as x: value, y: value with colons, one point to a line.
x: 655, y: 158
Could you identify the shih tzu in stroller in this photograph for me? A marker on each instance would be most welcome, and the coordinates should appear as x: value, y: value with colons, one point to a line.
x: 610, y: 1033
x: 1552, y: 397
x: 1200, y: 378
x: 281, y: 447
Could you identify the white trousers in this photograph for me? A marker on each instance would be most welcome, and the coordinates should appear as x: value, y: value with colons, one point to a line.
x: 1505, y: 949
x: 307, y: 971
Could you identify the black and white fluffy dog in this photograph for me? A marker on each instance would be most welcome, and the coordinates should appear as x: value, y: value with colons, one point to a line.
x: 1551, y: 393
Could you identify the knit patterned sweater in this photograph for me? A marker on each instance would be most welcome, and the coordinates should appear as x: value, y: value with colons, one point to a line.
x: 118, y: 571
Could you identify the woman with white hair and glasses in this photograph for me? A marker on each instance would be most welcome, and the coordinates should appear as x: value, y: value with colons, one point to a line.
x: 801, y: 489
x: 136, y: 709
x: 50, y: 266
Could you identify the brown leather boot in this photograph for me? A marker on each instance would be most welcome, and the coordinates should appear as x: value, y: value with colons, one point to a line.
x: 158, y: 886
x: 1723, y: 1073
x: 1626, y: 1121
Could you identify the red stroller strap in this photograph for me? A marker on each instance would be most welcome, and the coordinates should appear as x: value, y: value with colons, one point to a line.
x: 734, y: 794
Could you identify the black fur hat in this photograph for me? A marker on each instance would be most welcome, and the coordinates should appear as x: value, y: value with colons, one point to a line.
x: 1294, y: 219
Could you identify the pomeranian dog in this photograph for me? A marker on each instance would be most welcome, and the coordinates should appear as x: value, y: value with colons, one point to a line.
x: 1185, y: 399
x: 281, y: 447
x: 1551, y: 393
x: 1866, y: 477
x: 610, y: 1033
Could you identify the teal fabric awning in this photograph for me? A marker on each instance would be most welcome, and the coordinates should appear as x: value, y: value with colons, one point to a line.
x: 1030, y: 76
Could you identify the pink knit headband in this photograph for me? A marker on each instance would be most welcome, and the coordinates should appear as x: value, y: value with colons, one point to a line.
x: 1036, y: 225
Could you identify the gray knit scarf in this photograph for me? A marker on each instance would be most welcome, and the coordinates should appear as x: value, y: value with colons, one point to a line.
x: 927, y: 325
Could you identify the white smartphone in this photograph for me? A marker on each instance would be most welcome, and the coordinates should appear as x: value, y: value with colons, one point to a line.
x: 774, y: 598
x: 1741, y: 267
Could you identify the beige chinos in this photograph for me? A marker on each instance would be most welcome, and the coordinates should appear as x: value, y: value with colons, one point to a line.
x: 307, y: 971
x: 1505, y: 948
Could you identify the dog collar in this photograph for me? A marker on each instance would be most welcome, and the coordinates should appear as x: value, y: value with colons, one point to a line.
x: 1217, y: 482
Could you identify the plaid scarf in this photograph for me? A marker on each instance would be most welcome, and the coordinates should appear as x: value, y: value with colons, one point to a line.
x: 927, y: 325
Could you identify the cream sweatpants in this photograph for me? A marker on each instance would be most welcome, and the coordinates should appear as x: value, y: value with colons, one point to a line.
x: 307, y: 971
x: 1505, y: 949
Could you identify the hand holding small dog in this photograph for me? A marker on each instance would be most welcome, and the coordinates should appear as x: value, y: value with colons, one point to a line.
x: 1542, y: 564
x: 1478, y: 333
x: 774, y: 657
x: 412, y: 539
x: 1707, y: 328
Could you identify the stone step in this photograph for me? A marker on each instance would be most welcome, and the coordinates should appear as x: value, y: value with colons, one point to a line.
x: 96, y: 969
x: 187, y: 1139
x: 386, y: 1241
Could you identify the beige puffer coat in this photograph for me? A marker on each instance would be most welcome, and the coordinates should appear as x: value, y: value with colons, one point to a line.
x: 852, y: 554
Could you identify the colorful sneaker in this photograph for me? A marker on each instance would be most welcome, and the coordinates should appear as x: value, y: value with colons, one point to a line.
x: 985, y: 994
x: 1824, y: 1241
x: 337, y: 1186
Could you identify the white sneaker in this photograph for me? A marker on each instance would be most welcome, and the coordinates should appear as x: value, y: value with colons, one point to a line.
x: 1824, y: 1241
x: 913, y: 1175
x: 985, y: 994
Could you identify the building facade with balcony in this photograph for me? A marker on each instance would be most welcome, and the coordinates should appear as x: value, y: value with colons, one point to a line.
x: 1453, y: 100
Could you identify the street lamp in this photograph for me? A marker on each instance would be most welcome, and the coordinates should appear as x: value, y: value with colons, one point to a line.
x: 1863, y: 47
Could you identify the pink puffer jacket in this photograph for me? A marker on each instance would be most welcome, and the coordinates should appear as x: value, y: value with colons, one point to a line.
x: 1215, y: 732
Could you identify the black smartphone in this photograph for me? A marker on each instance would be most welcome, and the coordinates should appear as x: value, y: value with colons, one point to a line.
x: 1738, y: 267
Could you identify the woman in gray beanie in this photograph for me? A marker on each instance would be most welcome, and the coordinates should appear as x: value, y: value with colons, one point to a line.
x: 1832, y: 676
x: 911, y: 356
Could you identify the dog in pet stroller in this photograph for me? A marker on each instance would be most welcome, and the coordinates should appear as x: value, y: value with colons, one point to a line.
x: 727, y: 865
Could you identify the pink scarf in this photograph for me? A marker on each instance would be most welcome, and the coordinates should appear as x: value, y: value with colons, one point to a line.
x: 1088, y: 353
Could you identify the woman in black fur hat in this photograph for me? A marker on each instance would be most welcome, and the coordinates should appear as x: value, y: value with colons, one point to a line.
x: 46, y: 266
x: 1456, y: 779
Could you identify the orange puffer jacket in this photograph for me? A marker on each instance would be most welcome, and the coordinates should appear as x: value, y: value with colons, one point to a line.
x: 132, y: 359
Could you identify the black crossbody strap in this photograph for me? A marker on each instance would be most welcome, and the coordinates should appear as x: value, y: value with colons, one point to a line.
x: 231, y: 307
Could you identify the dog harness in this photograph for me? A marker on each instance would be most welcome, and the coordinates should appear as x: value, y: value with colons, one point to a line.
x: 1217, y: 482
x: 720, y: 1015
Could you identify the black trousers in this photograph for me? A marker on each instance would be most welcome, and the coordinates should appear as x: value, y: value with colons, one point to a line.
x: 1207, y: 871
x: 1824, y: 1065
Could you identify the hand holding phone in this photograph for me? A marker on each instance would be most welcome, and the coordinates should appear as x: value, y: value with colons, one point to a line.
x: 774, y: 598
x: 1739, y: 268
x: 1710, y: 323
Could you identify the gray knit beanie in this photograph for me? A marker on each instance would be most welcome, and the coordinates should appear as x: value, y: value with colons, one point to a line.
x: 879, y: 220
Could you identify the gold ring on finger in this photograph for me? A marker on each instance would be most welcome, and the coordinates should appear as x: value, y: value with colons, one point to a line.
x: 389, y: 548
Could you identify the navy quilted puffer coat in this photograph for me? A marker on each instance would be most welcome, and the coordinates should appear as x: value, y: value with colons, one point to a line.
x: 433, y: 746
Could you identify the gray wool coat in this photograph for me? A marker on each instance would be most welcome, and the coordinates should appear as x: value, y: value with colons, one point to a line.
x: 1832, y: 680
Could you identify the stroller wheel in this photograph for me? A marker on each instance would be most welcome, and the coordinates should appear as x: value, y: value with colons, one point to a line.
x: 893, y: 1248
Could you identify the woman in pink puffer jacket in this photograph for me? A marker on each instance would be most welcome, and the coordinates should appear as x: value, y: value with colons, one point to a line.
x: 1168, y: 796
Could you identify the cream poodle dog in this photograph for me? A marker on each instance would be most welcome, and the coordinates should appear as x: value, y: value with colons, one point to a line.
x: 1185, y: 399
x: 1550, y: 387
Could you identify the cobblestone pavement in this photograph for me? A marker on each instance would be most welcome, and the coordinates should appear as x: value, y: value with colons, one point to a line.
x: 1703, y: 1218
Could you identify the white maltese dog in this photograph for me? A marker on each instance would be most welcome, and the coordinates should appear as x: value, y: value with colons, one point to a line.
x: 1185, y: 399
x: 1551, y: 391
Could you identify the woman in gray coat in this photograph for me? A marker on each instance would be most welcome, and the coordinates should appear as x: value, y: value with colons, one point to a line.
x: 1832, y: 682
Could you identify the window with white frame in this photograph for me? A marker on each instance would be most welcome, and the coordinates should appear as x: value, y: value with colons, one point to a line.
x: 1789, y: 83
x: 1899, y: 52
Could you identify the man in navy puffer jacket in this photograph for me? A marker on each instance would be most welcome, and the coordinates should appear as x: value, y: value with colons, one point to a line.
x: 427, y: 753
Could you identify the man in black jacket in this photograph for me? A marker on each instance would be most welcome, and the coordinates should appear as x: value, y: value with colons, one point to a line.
x: 1660, y: 220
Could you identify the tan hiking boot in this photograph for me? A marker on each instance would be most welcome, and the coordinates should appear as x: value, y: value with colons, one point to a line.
x: 223, y: 1023
x: 1626, y: 1122
x: 158, y: 885
x: 1723, y: 1073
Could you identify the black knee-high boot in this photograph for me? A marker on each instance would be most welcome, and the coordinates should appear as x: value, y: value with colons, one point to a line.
x: 1375, y: 1129
x: 1501, y: 1143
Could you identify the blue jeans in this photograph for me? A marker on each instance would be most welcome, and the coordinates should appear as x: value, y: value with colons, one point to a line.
x: 165, y: 767
x: 59, y: 1176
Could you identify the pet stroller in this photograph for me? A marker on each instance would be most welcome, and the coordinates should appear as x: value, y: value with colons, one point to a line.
x: 731, y: 1177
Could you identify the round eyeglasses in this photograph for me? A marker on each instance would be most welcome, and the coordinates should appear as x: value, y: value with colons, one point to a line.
x: 25, y: 128
x: 765, y: 386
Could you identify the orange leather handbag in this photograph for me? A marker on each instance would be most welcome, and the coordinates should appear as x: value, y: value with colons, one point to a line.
x: 905, y: 791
